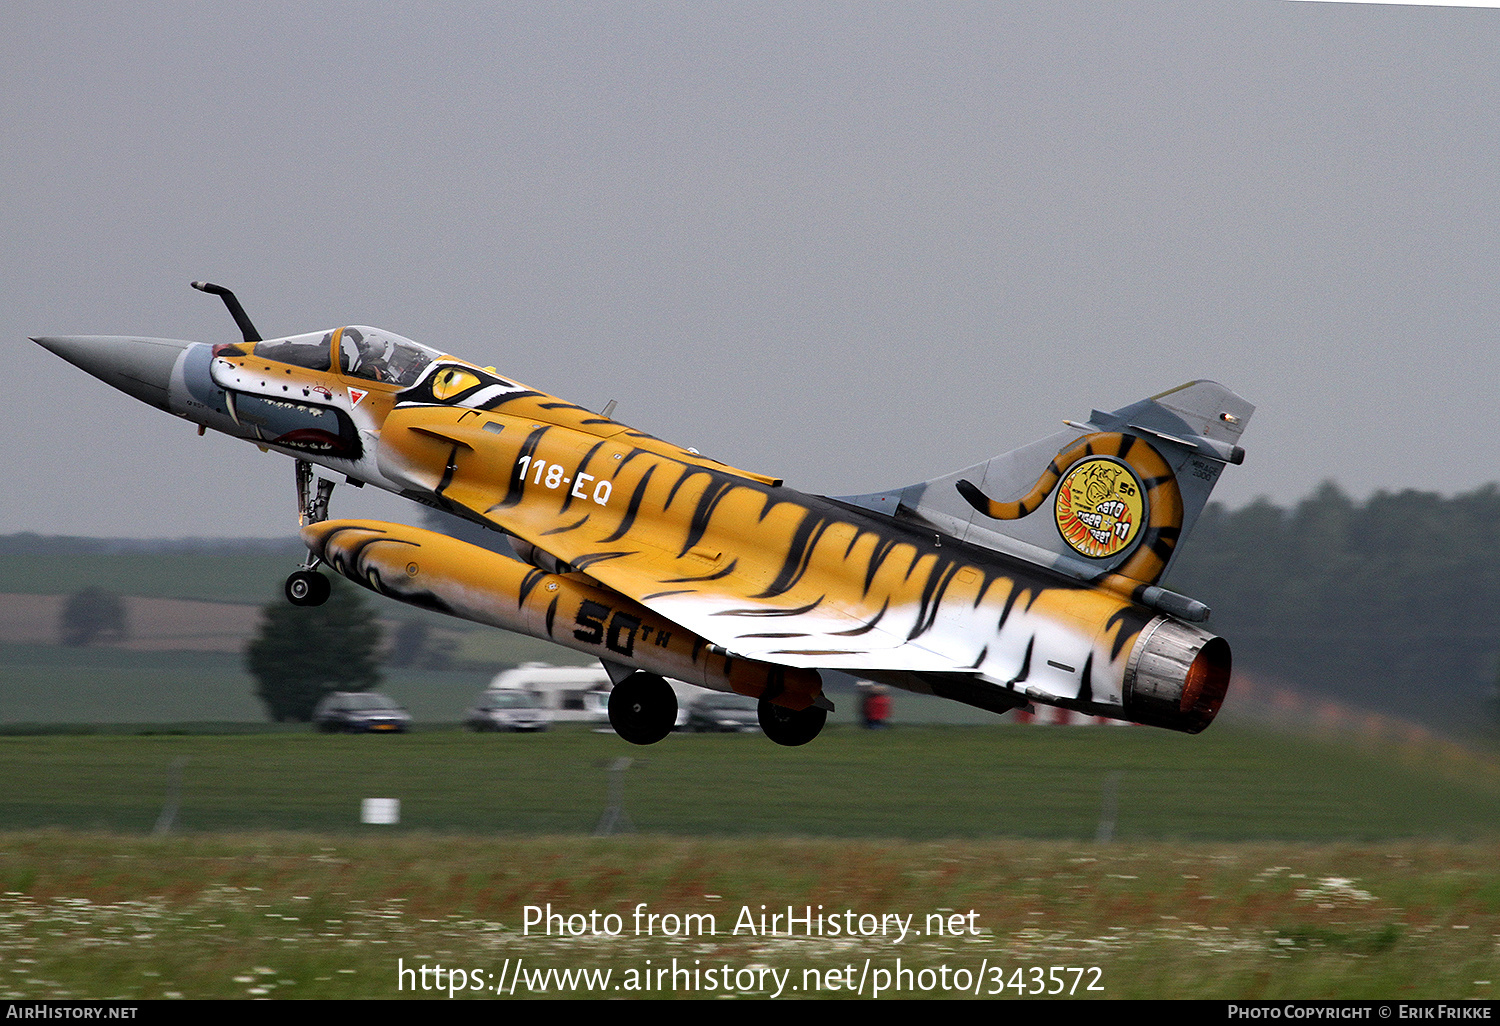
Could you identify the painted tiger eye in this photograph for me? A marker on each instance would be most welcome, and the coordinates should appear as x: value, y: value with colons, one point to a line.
x: 450, y: 381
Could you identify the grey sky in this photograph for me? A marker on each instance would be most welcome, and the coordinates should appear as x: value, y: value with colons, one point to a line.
x: 857, y: 245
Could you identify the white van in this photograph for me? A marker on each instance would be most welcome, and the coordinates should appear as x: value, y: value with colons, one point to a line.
x: 570, y: 693
x: 574, y: 694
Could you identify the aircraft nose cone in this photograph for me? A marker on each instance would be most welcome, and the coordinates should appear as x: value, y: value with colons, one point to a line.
x: 141, y: 367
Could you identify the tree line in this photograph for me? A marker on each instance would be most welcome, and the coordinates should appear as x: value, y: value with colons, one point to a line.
x: 1392, y: 603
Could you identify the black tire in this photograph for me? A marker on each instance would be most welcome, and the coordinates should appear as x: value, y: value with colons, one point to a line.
x: 791, y: 727
x: 643, y: 708
x: 305, y: 588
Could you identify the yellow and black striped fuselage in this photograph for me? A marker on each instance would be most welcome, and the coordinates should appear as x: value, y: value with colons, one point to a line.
x: 762, y: 570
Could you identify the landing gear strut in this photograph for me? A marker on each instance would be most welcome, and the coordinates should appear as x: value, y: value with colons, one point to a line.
x: 305, y: 587
x: 791, y: 727
x: 643, y: 708
x: 312, y: 504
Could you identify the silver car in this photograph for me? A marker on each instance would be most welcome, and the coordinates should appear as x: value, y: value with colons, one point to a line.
x: 722, y: 712
x: 360, y: 712
x: 509, y: 709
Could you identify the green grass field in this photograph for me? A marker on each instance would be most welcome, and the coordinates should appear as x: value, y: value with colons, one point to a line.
x: 49, y: 684
x: 914, y: 783
x: 294, y: 916
x: 235, y: 577
x: 1243, y: 865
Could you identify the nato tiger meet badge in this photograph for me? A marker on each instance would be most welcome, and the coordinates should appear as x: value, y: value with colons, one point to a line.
x: 1099, y: 508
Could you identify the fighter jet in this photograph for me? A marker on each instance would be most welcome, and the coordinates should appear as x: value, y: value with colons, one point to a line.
x: 1029, y: 578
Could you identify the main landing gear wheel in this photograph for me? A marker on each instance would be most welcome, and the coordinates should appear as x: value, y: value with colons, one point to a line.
x: 791, y: 727
x: 305, y: 588
x: 643, y: 708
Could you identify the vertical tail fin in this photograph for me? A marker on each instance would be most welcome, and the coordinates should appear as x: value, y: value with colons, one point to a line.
x: 1126, y: 488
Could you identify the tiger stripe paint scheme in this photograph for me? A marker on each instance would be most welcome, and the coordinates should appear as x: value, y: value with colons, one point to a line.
x: 767, y: 572
x: 936, y: 588
x: 783, y: 577
x: 433, y: 571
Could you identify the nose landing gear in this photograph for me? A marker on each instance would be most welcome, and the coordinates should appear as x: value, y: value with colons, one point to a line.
x: 306, y: 587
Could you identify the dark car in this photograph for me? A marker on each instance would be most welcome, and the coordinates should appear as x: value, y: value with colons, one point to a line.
x: 722, y: 712
x: 360, y: 712
x: 509, y: 709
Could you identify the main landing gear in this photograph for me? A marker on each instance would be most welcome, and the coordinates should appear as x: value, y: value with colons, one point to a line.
x: 643, y: 708
x: 791, y: 727
x: 306, y: 587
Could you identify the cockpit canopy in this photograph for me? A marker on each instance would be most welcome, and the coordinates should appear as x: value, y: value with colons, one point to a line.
x: 363, y: 352
x: 310, y: 351
x: 382, y: 356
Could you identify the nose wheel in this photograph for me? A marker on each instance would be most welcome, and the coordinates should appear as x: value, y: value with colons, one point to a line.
x: 643, y: 708
x: 306, y: 588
